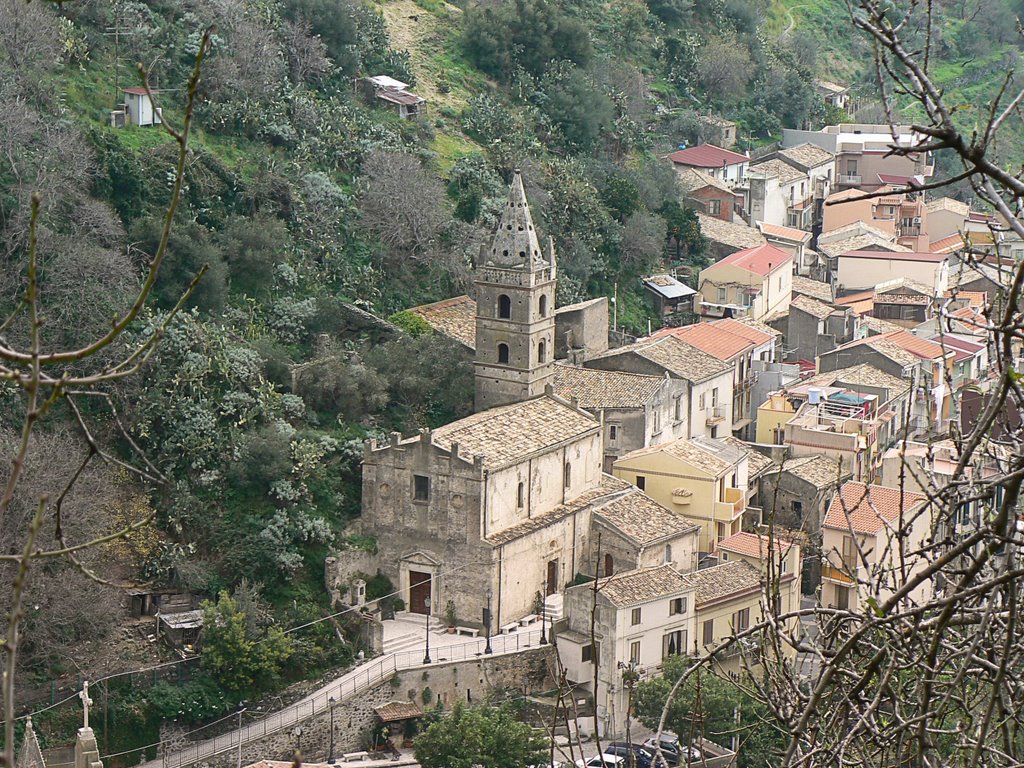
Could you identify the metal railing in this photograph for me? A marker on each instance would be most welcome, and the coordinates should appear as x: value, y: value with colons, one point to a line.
x: 356, y: 681
x: 849, y: 178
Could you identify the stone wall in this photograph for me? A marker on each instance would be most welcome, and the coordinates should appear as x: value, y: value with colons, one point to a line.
x: 529, y: 672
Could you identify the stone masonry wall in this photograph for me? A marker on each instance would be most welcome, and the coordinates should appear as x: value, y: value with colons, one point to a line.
x: 528, y: 671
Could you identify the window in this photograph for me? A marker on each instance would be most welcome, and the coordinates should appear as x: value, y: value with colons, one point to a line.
x: 714, y: 397
x: 708, y: 631
x: 542, y: 352
x: 714, y: 207
x: 634, y: 619
x: 741, y: 620
x: 420, y: 488
x: 613, y: 433
x: 543, y: 306
x: 842, y: 598
x: 668, y: 553
x: 673, y: 644
x: 609, y: 565
x: 521, y: 496
x: 722, y: 298
x: 504, y: 307
x: 677, y: 408
x: 798, y: 506
x: 741, y: 298
x: 634, y: 652
x: 641, y: 482
x: 567, y: 479
x: 503, y: 353
x: 656, y: 426
x: 702, y: 401
x: 676, y: 606
x: 590, y: 653
x: 780, y: 282
x: 851, y: 167
x: 803, y: 188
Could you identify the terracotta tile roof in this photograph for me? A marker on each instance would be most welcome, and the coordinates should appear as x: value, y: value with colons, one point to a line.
x: 595, y: 389
x: 784, y: 172
x: 819, y: 471
x: 729, y: 234
x: 783, y: 233
x: 903, y: 285
x: 861, y: 302
x: 947, y: 244
x: 681, y: 360
x: 609, y: 488
x: 692, y: 179
x: 752, y: 544
x: 704, y: 453
x: 455, y: 318
x: 962, y: 349
x: 864, y: 374
x: 883, y: 346
x: 707, y: 156
x: 807, y: 155
x: 869, y: 508
x: 720, y: 343
x: 854, y: 236
x: 757, y: 462
x: 640, y: 518
x: 810, y: 306
x: 757, y: 325
x: 725, y: 581
x: 642, y: 585
x: 580, y: 305
x: 829, y: 87
x: 973, y: 298
x: 761, y: 260
x: 877, y: 325
x: 749, y: 331
x: 506, y: 435
x: 815, y: 289
x: 395, y: 711
x: 935, y: 258
x: 948, y: 204
x: 915, y: 345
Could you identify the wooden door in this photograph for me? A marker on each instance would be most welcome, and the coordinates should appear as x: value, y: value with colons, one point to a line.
x: 419, y: 591
x: 552, y: 584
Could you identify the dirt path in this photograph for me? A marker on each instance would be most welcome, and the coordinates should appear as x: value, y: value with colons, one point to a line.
x: 421, y: 33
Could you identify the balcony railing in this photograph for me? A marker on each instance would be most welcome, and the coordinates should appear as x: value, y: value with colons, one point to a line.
x: 715, y: 415
x: 849, y: 178
x: 832, y: 573
x: 737, y: 498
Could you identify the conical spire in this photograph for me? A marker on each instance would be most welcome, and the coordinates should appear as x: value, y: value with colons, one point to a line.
x: 30, y: 756
x: 515, y: 242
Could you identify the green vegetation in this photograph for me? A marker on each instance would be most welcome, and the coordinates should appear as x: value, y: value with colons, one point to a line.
x: 470, y: 736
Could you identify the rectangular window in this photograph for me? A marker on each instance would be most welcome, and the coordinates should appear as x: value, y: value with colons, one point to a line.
x: 741, y: 620
x: 420, y: 488
x: 641, y: 482
x: 714, y: 397
x: 657, y: 422
x: 677, y: 606
x: 590, y: 653
x: 798, y: 507
x: 714, y: 207
x: 634, y: 652
x: 677, y: 406
x: 702, y: 401
x: 634, y: 619
x: 722, y: 298
x: 613, y: 433
x: 673, y: 644
x: 708, y: 629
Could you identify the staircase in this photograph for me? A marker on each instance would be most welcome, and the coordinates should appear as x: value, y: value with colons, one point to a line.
x: 553, y: 607
x: 409, y: 629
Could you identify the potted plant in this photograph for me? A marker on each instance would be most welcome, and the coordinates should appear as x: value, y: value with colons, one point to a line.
x: 449, y: 616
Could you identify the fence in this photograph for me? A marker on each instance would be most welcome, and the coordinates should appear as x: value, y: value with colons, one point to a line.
x: 358, y: 680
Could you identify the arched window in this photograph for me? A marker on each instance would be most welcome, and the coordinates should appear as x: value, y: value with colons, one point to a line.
x: 521, y: 496
x: 609, y: 565
x: 542, y: 352
x: 543, y: 305
x: 568, y: 474
x: 504, y: 307
x: 503, y: 353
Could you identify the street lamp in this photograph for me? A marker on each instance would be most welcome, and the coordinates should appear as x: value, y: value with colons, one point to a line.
x: 487, y: 622
x: 241, y: 710
x: 426, y: 656
x: 330, y: 750
x: 543, y: 605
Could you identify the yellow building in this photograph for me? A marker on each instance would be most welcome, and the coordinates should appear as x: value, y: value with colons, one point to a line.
x: 755, y: 283
x: 772, y: 416
x: 781, y: 572
x: 702, y: 479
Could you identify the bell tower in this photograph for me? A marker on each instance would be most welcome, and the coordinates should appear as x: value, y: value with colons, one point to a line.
x: 515, y: 309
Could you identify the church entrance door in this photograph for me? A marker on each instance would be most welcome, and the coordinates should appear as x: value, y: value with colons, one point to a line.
x: 419, y: 591
x: 552, y: 577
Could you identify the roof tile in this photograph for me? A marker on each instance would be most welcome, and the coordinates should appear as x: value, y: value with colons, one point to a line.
x: 868, y: 508
x: 640, y: 518
x: 707, y: 156
x: 595, y: 389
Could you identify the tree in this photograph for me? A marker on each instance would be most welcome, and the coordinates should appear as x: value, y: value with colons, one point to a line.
x: 243, y: 657
x: 472, y: 736
x: 253, y: 247
x: 643, y: 240
x: 723, y: 68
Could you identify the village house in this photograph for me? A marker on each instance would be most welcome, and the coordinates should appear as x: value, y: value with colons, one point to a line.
x: 716, y: 130
x: 872, y: 538
x: 833, y: 94
x: 864, y: 151
x: 904, y: 302
x: 755, y: 283
x: 946, y: 217
x: 737, y: 345
x: 777, y: 559
x: 706, y: 402
x: 394, y: 94
x: 637, y: 410
x: 704, y: 193
x: 787, y: 187
x: 900, y: 216
x: 863, y: 269
x: 726, y: 237
x: 702, y: 479
x: 814, y: 327
x: 724, y: 164
x: 818, y: 290
x: 669, y: 295
x: 138, y: 108
x: 793, y: 241
x: 853, y: 237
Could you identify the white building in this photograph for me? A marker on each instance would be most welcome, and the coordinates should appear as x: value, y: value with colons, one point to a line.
x: 138, y: 106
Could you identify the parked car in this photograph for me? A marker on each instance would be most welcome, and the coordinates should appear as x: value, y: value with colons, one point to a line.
x: 603, y: 761
x: 642, y: 757
x: 669, y: 749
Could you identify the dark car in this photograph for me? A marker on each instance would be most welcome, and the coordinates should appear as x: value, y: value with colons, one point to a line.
x: 642, y: 757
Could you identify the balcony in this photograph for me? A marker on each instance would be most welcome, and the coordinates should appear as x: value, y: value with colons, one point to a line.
x: 834, y: 574
x: 849, y: 178
x: 913, y: 231
x: 731, y: 506
x: 715, y: 415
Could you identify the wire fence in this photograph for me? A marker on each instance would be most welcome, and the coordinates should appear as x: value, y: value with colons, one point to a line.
x: 358, y: 680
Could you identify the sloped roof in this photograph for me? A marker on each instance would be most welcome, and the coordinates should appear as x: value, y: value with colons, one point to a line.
x: 454, y: 318
x: 515, y: 242
x: 954, y: 242
x: 755, y: 332
x: 668, y: 286
x: 727, y: 233
x: 752, y: 544
x: 692, y: 179
x: 784, y: 172
x: 810, y: 306
x: 714, y: 457
x: 830, y: 87
x: 509, y: 433
x: 732, y: 578
x: 682, y: 360
x: 395, y: 711
x: 643, y: 585
x: 935, y: 258
x: 883, y: 346
x: 819, y: 471
x: 719, y: 342
x: 643, y: 520
x: 757, y: 325
x: 595, y: 389
x: 948, y: 204
x: 815, y: 289
x: 783, y: 233
x: 864, y: 374
x: 757, y: 462
x: 807, y: 155
x: 760, y: 260
x: 869, y: 508
x: 707, y: 156
x: 399, y: 97
x: 903, y: 286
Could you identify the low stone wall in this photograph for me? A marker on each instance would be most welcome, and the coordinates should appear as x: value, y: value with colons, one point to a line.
x: 528, y: 672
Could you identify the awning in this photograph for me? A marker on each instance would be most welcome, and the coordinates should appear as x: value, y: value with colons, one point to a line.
x: 395, y: 711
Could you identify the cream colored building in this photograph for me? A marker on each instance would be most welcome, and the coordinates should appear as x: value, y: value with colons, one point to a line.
x: 702, y: 479
x: 862, y: 270
x: 864, y: 554
x: 777, y: 560
x: 755, y: 283
x: 772, y: 416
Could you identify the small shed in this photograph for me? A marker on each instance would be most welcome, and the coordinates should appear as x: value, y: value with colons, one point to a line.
x: 669, y: 294
x: 182, y: 629
x: 139, y: 108
x: 395, y: 714
x: 395, y: 94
